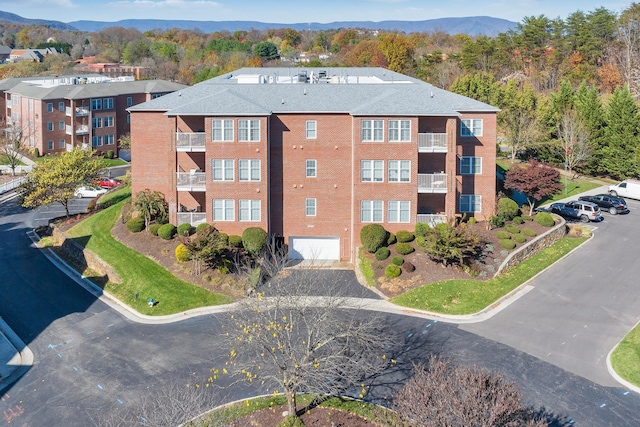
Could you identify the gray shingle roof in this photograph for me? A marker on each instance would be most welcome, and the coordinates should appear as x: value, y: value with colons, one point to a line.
x: 370, y: 91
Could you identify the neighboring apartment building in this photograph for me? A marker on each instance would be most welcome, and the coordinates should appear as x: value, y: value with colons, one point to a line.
x: 313, y: 155
x: 55, y: 114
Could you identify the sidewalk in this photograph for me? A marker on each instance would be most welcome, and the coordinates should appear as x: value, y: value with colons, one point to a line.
x: 15, y: 356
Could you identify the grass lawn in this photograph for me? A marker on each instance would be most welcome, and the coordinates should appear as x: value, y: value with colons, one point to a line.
x: 114, y: 162
x: 574, y: 187
x: 625, y: 359
x: 460, y: 297
x: 4, y: 160
x: 139, y: 274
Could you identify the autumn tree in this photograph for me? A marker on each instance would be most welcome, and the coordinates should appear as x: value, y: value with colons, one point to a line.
x: 207, y: 246
x: 150, y: 204
x: 446, y: 395
x: 535, y: 181
x: 573, y: 137
x: 55, y: 180
x: 12, y: 145
x: 519, y: 118
x: 399, y: 52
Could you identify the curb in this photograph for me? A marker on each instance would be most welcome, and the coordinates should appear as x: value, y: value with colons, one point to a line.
x: 24, y: 354
x: 613, y: 372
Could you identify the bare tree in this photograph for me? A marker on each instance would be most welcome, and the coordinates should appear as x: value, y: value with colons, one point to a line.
x: 574, y: 140
x: 12, y: 145
x: 447, y: 395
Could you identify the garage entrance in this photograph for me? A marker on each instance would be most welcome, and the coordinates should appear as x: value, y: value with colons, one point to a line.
x: 314, y: 248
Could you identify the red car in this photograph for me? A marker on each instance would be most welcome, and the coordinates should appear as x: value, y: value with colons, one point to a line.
x: 106, y: 182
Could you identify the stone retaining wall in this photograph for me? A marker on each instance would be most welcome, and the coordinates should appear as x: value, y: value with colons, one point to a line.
x: 84, y: 256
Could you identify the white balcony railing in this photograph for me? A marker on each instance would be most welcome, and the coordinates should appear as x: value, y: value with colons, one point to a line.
x: 82, y: 111
x: 432, y: 183
x: 431, y: 219
x: 432, y: 142
x: 193, y: 218
x: 80, y: 130
x: 192, y: 181
x: 190, y: 141
x: 67, y: 111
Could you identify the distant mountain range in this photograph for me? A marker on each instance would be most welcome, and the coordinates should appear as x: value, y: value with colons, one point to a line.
x: 472, y: 25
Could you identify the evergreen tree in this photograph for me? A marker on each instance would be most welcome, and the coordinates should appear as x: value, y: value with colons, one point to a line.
x: 619, y: 157
x: 589, y: 108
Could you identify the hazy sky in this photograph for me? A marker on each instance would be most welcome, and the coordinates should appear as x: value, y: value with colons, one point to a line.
x: 294, y: 11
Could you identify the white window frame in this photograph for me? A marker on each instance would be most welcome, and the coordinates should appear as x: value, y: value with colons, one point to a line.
x: 226, y: 207
x: 249, y: 130
x: 15, y: 99
x: 30, y: 104
x: 222, y: 130
x: 49, y: 107
x: 399, y: 131
x: 471, y: 127
x: 311, y: 168
x: 96, y: 122
x: 50, y: 145
x: 129, y: 101
x: 61, y: 125
x: 372, y: 170
x: 368, y: 210
x: 311, y: 129
x: 96, y: 104
x: 61, y: 106
x: 470, y: 203
x: 62, y: 143
x: 249, y: 170
x: 399, y: 171
x: 399, y: 211
x: 372, y: 130
x: 109, y: 139
x: 50, y: 126
x: 222, y: 170
x: 96, y: 141
x: 310, y: 206
x: 108, y: 121
x: 107, y: 104
x: 470, y: 165
x: 249, y: 210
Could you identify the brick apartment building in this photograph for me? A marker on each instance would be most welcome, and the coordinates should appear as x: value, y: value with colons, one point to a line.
x: 55, y: 114
x: 314, y: 155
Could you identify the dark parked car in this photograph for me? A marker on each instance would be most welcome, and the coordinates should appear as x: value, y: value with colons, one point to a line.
x: 106, y: 182
x: 612, y: 204
x: 578, y: 209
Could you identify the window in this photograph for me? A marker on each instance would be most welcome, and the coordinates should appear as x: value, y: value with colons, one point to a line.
x: 249, y: 210
x: 60, y: 106
x: 61, y: 125
x: 222, y: 169
x: 49, y: 107
x: 32, y: 141
x: 50, y: 145
x: 398, y: 211
x: 311, y: 168
x: 311, y: 129
x: 156, y: 95
x: 399, y: 170
x: 61, y: 143
x: 107, y: 104
x: 15, y: 99
x: 109, y: 139
x: 310, y: 207
x: 30, y: 104
x: 373, y: 130
x: 96, y: 104
x: 223, y: 210
x: 470, y: 165
x: 371, y: 211
x: 372, y: 170
x: 49, y: 125
x: 471, y: 127
x: 470, y: 203
x: 399, y: 130
x: 129, y: 101
x: 96, y: 122
x: 96, y: 141
x: 248, y: 130
x: 108, y: 121
x: 222, y: 130
x: 249, y: 170
x: 32, y: 125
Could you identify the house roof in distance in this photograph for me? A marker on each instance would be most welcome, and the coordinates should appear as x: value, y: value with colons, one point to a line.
x: 356, y: 91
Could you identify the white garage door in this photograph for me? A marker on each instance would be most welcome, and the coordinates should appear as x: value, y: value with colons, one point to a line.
x: 314, y: 248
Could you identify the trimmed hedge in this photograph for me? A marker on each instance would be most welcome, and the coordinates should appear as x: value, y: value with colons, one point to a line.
x: 391, y: 239
x: 254, y: 240
x: 404, y: 248
x: 518, y: 220
x: 182, y: 253
x: 404, y: 236
x: 496, y: 221
x: 373, y: 237
x: 529, y: 232
x: 382, y: 253
x: 519, y: 238
x: 501, y: 234
x: 512, y: 229
x: 184, y: 230
x: 392, y: 271
x: 202, y: 226
x: 235, y: 241
x: 507, y: 244
x: 397, y: 260
x: 153, y: 229
x: 473, y: 220
x: 422, y: 228
x: 507, y: 208
x: 167, y: 231
x: 545, y: 219
x: 135, y: 225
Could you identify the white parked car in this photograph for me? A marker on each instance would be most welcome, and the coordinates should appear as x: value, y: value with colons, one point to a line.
x: 89, y: 191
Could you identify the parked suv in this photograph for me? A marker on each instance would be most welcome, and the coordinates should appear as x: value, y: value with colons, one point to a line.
x: 578, y: 209
x: 612, y: 204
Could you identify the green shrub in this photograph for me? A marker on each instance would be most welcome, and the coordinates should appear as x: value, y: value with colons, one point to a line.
x: 162, y: 219
x: 527, y: 217
x: 397, y: 260
x: 408, y: 267
x: 224, y: 237
x: 507, y: 208
x: 518, y: 220
x: 529, y: 232
x: 110, y: 154
x: 202, y: 226
x: 404, y: 248
x: 224, y: 266
x: 496, y: 221
x: 520, y: 238
x: 420, y: 241
x: 36, y: 152
x: 184, y: 230
x: 513, y: 229
x: 135, y: 225
x: 291, y: 421
x: 422, y: 228
x: 167, y: 231
x: 182, y: 253
x: 507, y: 244
x: 545, y: 219
x: 373, y: 237
x: 473, y: 220
x: 391, y: 239
x: 153, y: 229
x: 392, y: 271
x: 501, y: 234
x: 382, y: 253
x: 235, y: 241
x: 404, y: 236
x: 254, y: 240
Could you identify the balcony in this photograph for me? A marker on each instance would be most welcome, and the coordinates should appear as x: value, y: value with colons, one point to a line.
x: 192, y: 181
x: 193, y: 218
x: 190, y: 142
x: 82, y: 111
x: 432, y: 183
x: 431, y: 219
x: 432, y: 143
x: 80, y: 130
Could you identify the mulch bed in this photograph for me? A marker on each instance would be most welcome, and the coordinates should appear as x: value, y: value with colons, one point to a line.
x: 316, y: 417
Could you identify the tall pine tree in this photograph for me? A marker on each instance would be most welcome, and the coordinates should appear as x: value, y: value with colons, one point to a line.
x: 619, y: 157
